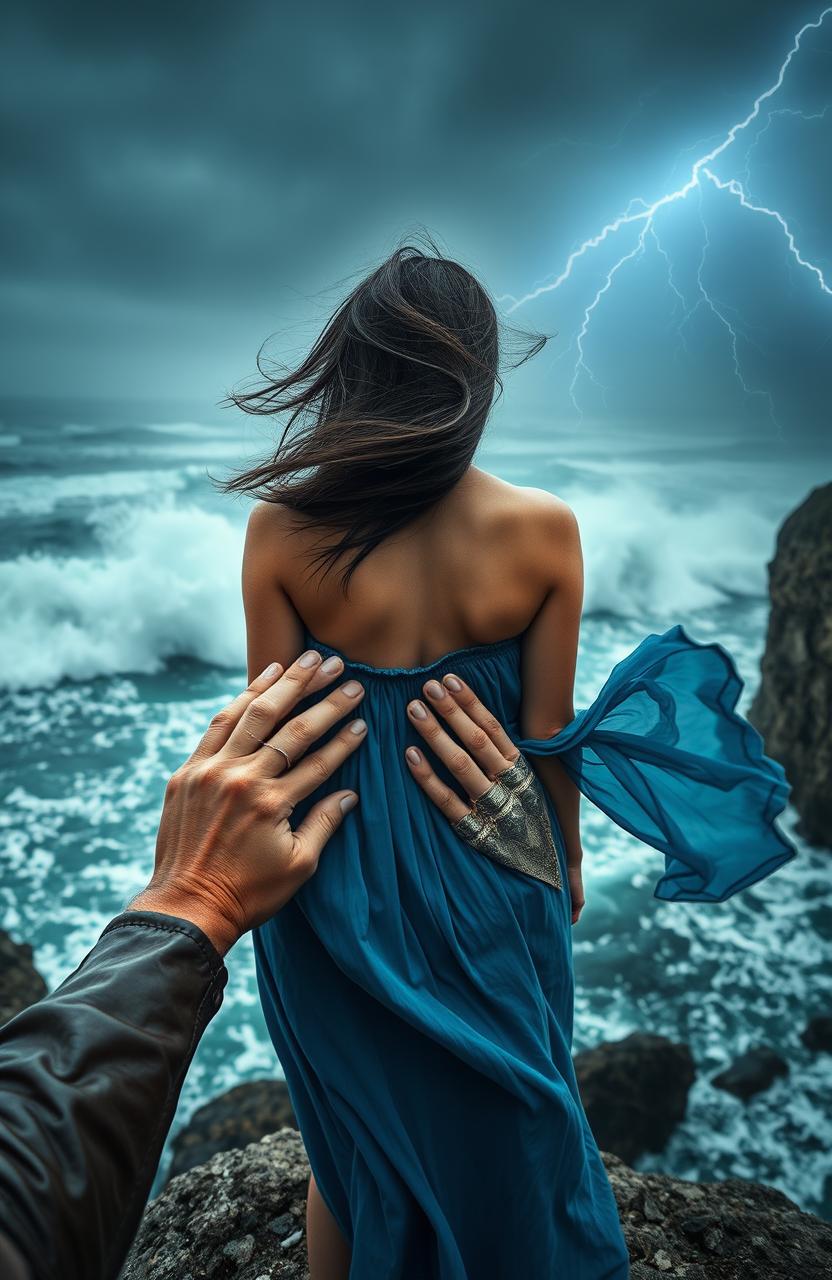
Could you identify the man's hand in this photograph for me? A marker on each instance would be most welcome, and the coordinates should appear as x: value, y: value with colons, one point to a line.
x: 226, y: 855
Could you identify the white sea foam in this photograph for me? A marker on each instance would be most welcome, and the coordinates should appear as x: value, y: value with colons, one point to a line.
x: 40, y: 496
x: 166, y: 583
x: 642, y: 556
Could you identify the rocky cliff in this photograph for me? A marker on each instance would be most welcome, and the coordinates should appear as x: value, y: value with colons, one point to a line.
x: 793, y: 705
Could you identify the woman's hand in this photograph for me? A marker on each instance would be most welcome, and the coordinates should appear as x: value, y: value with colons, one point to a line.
x: 227, y: 857
x: 576, y: 887
x: 487, y: 751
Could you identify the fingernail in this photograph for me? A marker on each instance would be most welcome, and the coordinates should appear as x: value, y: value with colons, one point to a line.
x: 348, y: 802
x: 453, y: 683
x: 332, y: 664
x: 358, y: 726
x: 418, y: 710
x: 434, y: 689
x: 270, y: 670
x: 352, y: 688
x: 413, y: 755
x: 310, y: 659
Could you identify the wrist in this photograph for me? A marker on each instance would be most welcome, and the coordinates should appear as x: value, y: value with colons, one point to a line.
x: 171, y: 901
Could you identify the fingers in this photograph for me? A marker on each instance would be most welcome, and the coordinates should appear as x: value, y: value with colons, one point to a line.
x: 443, y: 796
x: 478, y: 737
x: 322, y: 820
x: 225, y: 721
x: 296, y: 736
x: 318, y: 767
x: 465, y: 770
x: 274, y: 703
x: 472, y: 709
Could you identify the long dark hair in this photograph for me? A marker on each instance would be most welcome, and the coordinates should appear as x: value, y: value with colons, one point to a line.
x: 387, y: 409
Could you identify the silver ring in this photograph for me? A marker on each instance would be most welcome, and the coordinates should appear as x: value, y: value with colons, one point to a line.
x: 279, y: 750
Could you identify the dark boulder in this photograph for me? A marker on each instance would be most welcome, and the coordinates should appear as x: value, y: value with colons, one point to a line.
x: 751, y: 1073
x: 793, y: 705
x: 242, y: 1216
x: 20, y: 982
x: 817, y: 1033
x: 234, y: 1119
x: 635, y: 1091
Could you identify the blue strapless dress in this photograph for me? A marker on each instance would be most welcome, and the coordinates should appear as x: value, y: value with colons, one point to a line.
x: 420, y: 996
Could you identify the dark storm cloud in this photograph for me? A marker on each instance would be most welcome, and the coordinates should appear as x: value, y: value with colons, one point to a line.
x: 169, y: 168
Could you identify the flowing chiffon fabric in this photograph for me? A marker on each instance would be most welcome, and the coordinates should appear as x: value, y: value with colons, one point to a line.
x: 420, y: 996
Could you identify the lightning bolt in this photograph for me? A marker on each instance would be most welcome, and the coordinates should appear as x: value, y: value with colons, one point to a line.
x: 643, y: 214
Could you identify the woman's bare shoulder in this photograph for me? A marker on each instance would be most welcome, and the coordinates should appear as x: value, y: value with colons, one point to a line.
x: 530, y: 508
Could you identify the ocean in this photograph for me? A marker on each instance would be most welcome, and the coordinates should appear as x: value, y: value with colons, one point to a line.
x: 122, y: 632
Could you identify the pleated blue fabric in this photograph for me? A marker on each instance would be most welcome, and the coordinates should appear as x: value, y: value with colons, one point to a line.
x: 420, y: 996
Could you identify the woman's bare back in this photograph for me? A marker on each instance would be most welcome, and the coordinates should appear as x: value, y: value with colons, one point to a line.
x: 470, y: 571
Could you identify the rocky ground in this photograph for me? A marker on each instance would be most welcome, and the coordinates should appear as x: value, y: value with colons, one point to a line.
x: 241, y: 1217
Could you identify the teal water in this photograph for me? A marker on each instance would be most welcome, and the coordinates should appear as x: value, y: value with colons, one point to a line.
x: 122, y: 632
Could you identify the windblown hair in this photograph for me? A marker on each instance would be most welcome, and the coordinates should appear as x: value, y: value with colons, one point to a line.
x: 386, y: 410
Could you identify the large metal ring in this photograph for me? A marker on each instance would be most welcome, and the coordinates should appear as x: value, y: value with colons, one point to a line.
x: 510, y: 824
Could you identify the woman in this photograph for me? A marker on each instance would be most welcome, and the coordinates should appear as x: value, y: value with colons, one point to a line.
x: 419, y: 989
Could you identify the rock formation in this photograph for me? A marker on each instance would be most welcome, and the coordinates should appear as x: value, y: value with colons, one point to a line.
x: 242, y: 1217
x: 234, y: 1119
x: 634, y: 1091
x: 20, y: 982
x: 751, y: 1073
x: 817, y: 1033
x: 793, y: 705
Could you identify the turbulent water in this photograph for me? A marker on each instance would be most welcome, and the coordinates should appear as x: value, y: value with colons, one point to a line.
x: 122, y: 632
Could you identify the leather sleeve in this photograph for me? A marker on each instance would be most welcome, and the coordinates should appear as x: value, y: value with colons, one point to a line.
x: 89, y: 1081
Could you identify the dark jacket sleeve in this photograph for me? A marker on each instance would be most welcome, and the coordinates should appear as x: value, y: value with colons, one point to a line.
x: 89, y: 1081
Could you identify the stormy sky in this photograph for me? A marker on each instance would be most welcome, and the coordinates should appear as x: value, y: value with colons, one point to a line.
x: 182, y: 180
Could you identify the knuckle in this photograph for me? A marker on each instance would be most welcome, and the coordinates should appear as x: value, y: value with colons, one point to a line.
x: 444, y: 796
x: 318, y: 767
x: 259, y: 713
x: 299, y: 729
x: 221, y: 720
x: 491, y: 725
x: 327, y: 822
x: 175, y: 781
x: 480, y: 739
x: 459, y: 762
x: 281, y: 808
x: 236, y: 782
x: 209, y: 775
